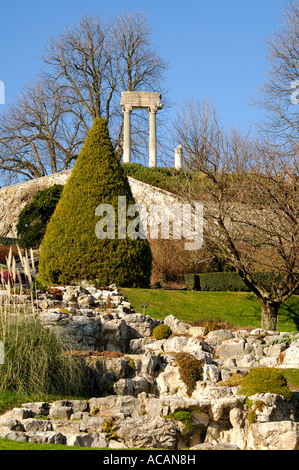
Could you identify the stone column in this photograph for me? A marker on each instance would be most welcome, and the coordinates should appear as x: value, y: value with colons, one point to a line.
x: 152, y: 137
x: 178, y: 157
x: 127, y: 134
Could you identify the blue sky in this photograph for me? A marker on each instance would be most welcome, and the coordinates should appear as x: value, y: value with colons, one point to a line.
x: 215, y: 48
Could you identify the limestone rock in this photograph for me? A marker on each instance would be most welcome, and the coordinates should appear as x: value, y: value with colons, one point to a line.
x: 147, y: 432
x: 282, y: 435
x: 291, y: 357
x: 176, y: 326
x: 218, y: 336
x: 87, y: 440
x: 215, y: 446
x: 37, y: 425
x: 115, y: 405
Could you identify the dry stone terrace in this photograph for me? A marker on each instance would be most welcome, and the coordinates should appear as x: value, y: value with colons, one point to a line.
x: 137, y: 384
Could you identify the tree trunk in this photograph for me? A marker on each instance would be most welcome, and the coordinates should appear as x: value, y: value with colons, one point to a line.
x: 269, y: 314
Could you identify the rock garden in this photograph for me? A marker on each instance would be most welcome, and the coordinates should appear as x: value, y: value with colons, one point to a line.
x: 160, y: 384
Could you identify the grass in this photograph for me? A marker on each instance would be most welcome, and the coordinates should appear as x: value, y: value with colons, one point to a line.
x: 238, y: 308
x: 292, y: 377
x: 6, y: 444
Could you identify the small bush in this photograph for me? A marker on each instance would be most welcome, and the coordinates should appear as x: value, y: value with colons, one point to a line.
x: 265, y: 380
x: 184, y: 416
x: 212, y: 324
x: 252, y: 417
x: 162, y: 332
x: 191, y: 370
x: 8, y: 241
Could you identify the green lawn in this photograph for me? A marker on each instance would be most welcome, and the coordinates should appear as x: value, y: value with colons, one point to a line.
x: 5, y: 444
x: 238, y: 308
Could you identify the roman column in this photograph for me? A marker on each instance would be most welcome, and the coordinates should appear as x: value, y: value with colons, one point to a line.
x: 127, y: 134
x: 140, y: 100
x: 152, y: 137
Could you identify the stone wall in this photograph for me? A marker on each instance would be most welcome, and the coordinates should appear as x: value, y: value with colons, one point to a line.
x: 14, y: 198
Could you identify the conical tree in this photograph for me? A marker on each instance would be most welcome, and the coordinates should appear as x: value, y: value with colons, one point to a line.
x: 70, y: 249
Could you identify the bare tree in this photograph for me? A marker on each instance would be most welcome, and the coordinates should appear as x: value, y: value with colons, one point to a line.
x: 84, y: 70
x: 251, y: 215
x: 93, y: 63
x: 196, y: 127
x: 278, y: 97
x: 39, y: 134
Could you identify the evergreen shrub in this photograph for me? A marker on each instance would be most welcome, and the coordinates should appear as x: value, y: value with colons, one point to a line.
x: 33, y: 219
x: 227, y: 281
x: 265, y: 380
x: 184, y: 416
x: 70, y: 250
x: 216, y: 281
x: 162, y: 332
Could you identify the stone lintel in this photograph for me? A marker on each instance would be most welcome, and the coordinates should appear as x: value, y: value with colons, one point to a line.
x: 141, y: 100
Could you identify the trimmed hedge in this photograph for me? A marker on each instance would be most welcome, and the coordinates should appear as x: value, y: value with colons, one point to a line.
x: 227, y: 281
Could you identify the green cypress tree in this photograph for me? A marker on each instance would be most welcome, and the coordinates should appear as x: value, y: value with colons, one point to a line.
x: 70, y: 249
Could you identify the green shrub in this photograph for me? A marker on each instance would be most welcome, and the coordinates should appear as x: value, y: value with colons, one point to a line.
x: 162, y: 332
x: 184, y: 416
x: 235, y: 380
x: 7, y: 241
x: 191, y: 370
x: 215, y: 281
x: 228, y: 281
x: 33, y: 219
x: 70, y: 250
x: 265, y: 380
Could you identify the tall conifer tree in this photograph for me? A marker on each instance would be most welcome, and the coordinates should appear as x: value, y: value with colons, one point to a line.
x: 70, y: 250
